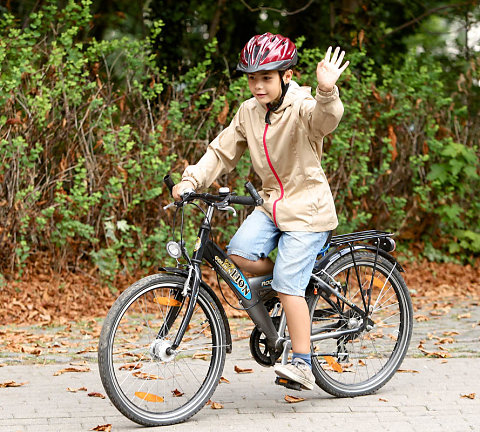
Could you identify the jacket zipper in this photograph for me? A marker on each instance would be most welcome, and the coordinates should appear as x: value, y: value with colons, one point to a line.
x: 274, y: 173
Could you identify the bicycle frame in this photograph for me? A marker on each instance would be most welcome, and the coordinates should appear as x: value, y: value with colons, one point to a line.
x: 248, y: 297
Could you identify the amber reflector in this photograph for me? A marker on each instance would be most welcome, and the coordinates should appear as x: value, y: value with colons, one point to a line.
x: 149, y: 397
x: 333, y: 364
x: 167, y: 301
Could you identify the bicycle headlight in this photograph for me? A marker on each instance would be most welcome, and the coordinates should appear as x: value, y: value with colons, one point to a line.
x: 174, y: 249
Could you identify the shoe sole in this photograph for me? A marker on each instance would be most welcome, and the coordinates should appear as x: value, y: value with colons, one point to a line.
x: 306, y: 385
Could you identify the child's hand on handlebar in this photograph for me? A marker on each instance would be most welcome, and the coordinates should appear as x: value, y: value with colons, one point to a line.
x: 181, y: 187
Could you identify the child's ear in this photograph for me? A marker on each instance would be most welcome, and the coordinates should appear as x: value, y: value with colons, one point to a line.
x: 287, y: 76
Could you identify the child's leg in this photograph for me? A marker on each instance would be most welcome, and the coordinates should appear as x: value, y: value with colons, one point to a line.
x: 253, y: 241
x: 297, y: 252
x: 298, y: 322
x: 262, y: 266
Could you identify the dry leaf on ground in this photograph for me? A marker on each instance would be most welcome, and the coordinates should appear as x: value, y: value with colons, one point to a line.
x: 407, y: 371
x: 468, y: 396
x: 12, y: 384
x: 224, y: 380
x: 293, y: 399
x: 73, y: 390
x: 104, y: 428
x: 383, y: 400
x: 177, y: 393
x: 71, y: 369
x: 131, y: 366
x: 216, y: 405
x: 96, y: 394
x: 240, y: 370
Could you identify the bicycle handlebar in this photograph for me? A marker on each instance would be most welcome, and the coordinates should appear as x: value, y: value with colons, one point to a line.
x: 253, y: 200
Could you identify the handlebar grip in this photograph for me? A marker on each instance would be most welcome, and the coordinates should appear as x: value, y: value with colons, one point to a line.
x: 253, y: 192
x: 244, y: 200
x: 169, y: 182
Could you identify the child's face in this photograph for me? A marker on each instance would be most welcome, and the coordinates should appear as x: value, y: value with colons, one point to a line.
x: 265, y: 86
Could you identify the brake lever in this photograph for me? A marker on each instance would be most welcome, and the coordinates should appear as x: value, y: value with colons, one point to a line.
x: 228, y: 208
x: 185, y: 194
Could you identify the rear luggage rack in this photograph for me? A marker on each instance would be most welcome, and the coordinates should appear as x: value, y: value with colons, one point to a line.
x: 359, y: 236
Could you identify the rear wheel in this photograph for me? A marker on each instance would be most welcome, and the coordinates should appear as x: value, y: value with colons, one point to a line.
x: 143, y: 379
x: 361, y: 362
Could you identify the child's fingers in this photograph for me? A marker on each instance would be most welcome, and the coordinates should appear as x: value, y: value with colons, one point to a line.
x: 335, y: 55
x: 344, y: 66
x: 328, y: 53
x: 338, y: 63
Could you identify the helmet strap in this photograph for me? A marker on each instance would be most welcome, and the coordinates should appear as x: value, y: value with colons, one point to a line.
x: 271, y: 107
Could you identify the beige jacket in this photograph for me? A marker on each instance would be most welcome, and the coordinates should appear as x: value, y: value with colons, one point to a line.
x: 285, y: 154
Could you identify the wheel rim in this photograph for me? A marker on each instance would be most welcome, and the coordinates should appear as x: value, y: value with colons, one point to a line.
x: 365, y: 360
x: 151, y: 384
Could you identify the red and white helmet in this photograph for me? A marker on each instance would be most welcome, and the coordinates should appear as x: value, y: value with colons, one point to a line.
x: 267, y: 52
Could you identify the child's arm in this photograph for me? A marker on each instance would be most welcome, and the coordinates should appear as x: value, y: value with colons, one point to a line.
x: 323, y: 115
x: 222, y: 156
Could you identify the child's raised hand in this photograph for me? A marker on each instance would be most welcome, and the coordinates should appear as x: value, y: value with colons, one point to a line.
x: 330, y: 69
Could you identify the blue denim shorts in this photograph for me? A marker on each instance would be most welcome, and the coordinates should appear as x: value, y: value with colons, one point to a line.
x: 297, y: 251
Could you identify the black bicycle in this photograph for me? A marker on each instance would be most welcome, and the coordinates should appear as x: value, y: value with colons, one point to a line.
x: 163, y: 343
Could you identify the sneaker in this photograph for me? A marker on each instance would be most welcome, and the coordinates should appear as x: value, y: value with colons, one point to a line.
x: 297, y: 371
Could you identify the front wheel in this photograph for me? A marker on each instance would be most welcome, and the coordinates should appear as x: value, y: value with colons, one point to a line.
x: 361, y: 362
x: 146, y: 381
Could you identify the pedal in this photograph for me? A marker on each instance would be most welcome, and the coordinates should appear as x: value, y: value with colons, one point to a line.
x: 293, y: 385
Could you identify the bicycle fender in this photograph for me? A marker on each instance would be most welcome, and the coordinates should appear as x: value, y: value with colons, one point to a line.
x: 184, y: 273
x: 330, y: 258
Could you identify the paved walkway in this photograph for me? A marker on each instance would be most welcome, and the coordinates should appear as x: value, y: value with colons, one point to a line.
x: 431, y: 396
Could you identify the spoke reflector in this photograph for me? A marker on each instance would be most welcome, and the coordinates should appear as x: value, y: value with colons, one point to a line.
x: 149, y: 397
x: 166, y: 301
x: 333, y: 364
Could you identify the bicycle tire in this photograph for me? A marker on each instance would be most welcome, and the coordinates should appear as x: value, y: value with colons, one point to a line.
x: 143, y: 382
x: 361, y: 363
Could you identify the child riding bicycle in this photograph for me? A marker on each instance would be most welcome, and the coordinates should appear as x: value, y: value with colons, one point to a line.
x: 283, y: 127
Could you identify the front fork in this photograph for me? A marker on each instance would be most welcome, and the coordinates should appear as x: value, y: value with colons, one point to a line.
x: 194, y: 280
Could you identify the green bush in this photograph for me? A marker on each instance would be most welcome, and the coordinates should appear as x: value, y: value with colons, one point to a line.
x: 89, y: 128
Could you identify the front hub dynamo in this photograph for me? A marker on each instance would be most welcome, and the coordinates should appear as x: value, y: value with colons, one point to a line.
x: 160, y: 350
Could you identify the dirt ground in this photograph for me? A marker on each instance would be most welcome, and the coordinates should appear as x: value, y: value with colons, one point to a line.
x: 42, y: 296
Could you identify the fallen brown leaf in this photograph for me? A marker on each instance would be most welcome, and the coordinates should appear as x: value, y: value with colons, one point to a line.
x: 224, y: 380
x: 240, y: 370
x: 73, y: 390
x: 469, y: 396
x: 407, y: 371
x: 96, y: 394
x: 216, y: 405
x: 104, y: 428
x: 146, y: 376
x: 131, y: 366
x: 200, y: 356
x: 383, y: 400
x: 465, y: 315
x: 12, y: 384
x: 450, y: 333
x: 177, y: 393
x: 71, y: 369
x: 293, y: 399
x: 421, y: 318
